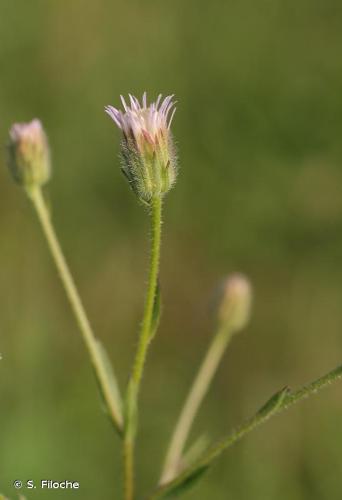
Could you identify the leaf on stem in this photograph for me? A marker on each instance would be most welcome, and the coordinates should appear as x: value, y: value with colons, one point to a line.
x: 156, y: 312
x: 188, y: 483
x: 195, y: 451
x: 273, y: 404
x: 114, y: 396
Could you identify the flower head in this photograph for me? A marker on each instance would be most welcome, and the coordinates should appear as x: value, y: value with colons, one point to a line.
x: 29, y: 155
x: 235, y: 302
x: 147, y: 149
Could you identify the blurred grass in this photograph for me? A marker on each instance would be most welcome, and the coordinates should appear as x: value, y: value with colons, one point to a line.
x: 258, y: 127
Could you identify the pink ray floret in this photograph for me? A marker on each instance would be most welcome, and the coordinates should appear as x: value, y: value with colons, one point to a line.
x: 31, y: 131
x: 143, y: 119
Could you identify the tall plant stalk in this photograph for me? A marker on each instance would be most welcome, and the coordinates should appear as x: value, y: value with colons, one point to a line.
x: 141, y: 353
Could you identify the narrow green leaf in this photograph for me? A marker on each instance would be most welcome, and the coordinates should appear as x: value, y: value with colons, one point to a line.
x: 188, y: 483
x: 113, y: 397
x: 195, y: 450
x: 274, y: 403
x: 156, y: 312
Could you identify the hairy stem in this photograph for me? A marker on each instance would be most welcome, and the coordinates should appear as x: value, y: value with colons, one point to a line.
x: 275, y: 405
x: 195, y: 397
x: 143, y: 344
x: 92, y: 345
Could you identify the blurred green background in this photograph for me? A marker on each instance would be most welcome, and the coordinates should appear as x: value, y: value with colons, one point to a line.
x: 258, y: 128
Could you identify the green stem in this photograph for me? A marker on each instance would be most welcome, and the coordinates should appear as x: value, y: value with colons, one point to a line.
x: 144, y: 338
x: 128, y: 460
x: 143, y: 344
x: 93, y: 346
x: 281, y: 401
x: 195, y: 397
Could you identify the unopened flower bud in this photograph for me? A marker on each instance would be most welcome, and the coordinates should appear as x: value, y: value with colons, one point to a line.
x: 147, y: 148
x: 29, y: 155
x: 235, y: 302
